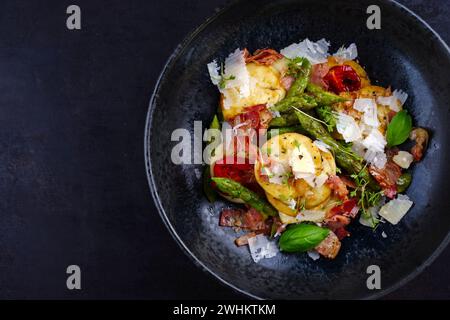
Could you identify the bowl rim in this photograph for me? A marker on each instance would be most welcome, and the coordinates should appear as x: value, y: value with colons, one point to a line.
x: 153, y: 189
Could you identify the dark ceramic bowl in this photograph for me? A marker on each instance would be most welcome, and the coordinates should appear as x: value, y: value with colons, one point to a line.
x: 404, y: 53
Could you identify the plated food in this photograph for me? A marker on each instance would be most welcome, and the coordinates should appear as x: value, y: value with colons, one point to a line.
x: 313, y: 146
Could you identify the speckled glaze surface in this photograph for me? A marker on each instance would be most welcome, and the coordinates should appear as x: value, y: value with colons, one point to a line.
x: 405, y: 54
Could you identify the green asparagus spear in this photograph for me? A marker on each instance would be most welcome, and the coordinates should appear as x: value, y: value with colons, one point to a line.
x: 301, y: 68
x: 403, y: 182
x: 323, y: 97
x: 236, y: 190
x: 326, y: 115
x: 281, y: 130
x: 303, y: 102
x: 286, y: 120
x: 345, y: 157
x: 210, y: 193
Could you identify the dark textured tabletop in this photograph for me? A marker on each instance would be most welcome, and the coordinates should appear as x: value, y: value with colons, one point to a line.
x: 73, y: 186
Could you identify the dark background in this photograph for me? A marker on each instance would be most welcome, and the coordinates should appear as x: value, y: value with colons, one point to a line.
x: 73, y: 185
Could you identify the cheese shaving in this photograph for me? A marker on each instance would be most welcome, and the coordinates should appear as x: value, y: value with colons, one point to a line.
x: 369, y: 108
x: 395, y: 210
x: 347, y: 127
x: 395, y: 101
x: 345, y: 54
x: 261, y: 248
x: 213, y: 69
x: 375, y: 141
x: 315, y: 52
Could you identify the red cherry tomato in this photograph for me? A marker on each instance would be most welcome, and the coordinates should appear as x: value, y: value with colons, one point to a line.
x: 237, y: 169
x: 342, y: 78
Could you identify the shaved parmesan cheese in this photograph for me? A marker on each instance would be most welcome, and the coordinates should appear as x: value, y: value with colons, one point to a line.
x: 369, y: 108
x: 313, y: 254
x: 394, y: 102
x: 315, y: 52
x: 345, y: 54
x: 236, y: 78
x: 311, y: 215
x: 391, y: 102
x: 213, y: 69
x: 321, y: 179
x: 276, y: 172
x: 236, y: 72
x: 378, y: 159
x: 375, y: 141
x: 302, y: 163
x: 394, y: 210
x: 403, y: 159
x: 322, y: 146
x: 235, y: 81
x: 401, y: 96
x: 347, y: 127
x: 359, y: 148
x: 384, y: 235
x: 261, y: 248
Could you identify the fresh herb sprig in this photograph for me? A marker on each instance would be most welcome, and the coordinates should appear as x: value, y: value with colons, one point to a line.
x: 325, y: 113
x: 367, y: 197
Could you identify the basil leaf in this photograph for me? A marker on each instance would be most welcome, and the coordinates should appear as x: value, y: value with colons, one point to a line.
x: 399, y: 129
x: 302, y: 237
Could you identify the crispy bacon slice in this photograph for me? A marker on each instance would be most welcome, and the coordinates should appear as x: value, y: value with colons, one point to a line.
x: 330, y: 246
x: 287, y: 82
x: 262, y: 56
x: 246, y: 219
x: 255, y: 117
x: 340, y: 216
x: 420, y: 137
x: 348, y: 208
x: 338, y: 186
x: 337, y: 221
x: 254, y: 222
x: 387, y: 177
x: 318, y: 72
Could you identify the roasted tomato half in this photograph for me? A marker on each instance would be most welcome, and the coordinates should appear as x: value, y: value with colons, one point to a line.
x: 342, y: 78
x: 235, y: 168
